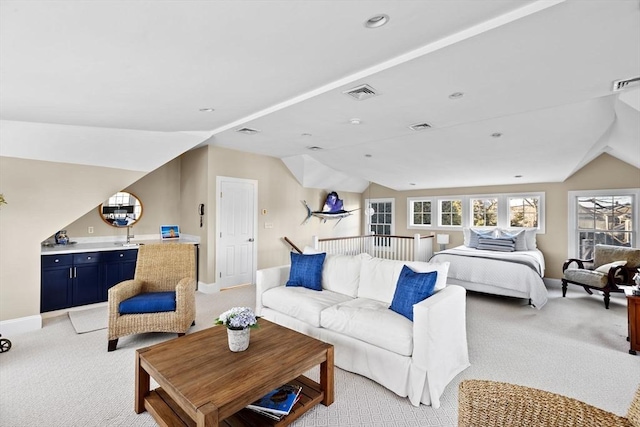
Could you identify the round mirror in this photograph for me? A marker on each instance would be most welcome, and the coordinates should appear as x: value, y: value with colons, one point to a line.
x: 121, y: 210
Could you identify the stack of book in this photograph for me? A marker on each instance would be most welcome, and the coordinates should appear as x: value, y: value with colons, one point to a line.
x: 278, y: 402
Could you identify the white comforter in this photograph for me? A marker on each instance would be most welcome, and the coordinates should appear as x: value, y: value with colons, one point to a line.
x: 519, y: 271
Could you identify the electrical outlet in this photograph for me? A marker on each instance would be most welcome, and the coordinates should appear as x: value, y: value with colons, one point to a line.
x: 90, y: 230
x: 268, y: 225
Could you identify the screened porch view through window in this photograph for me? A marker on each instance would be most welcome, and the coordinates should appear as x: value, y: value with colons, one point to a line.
x: 604, y: 220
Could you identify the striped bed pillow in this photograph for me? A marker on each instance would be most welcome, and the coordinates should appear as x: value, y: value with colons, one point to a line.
x: 502, y: 244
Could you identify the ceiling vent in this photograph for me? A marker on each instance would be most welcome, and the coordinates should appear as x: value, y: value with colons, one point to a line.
x: 248, y: 131
x: 619, y: 85
x: 361, y: 92
x: 420, y: 126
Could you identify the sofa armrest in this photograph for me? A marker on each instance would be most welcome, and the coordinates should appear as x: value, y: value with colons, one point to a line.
x: 268, y: 278
x: 440, y: 338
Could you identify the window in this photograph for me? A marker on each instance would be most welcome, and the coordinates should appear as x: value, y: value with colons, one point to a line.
x: 381, y: 222
x: 524, y: 212
x: 450, y: 212
x: 504, y: 210
x: 607, y: 217
x: 420, y: 212
x: 485, y: 212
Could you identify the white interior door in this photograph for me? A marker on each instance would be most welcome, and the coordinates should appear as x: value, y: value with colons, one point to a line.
x: 236, y: 249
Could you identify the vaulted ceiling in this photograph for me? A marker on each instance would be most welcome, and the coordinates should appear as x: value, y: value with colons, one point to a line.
x: 534, y: 80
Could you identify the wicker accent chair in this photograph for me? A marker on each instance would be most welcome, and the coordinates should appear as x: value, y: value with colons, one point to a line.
x: 483, y: 403
x: 602, y: 273
x: 160, y: 268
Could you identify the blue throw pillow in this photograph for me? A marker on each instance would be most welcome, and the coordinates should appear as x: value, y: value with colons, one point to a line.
x: 412, y: 288
x: 476, y: 234
x: 149, y: 302
x: 306, y: 271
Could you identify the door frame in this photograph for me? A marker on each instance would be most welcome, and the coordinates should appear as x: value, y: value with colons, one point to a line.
x: 254, y: 183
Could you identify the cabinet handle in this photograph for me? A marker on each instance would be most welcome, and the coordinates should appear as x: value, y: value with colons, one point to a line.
x: 121, y: 255
x: 57, y: 260
x: 75, y: 272
x: 88, y: 257
x: 70, y: 273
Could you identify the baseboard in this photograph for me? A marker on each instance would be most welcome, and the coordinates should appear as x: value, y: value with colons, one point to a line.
x: 22, y: 324
x: 208, y: 288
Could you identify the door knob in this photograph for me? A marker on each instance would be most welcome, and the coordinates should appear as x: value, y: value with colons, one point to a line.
x: 251, y: 239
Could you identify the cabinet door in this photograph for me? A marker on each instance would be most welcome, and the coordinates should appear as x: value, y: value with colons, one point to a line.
x: 55, y: 292
x: 118, y: 266
x: 55, y: 282
x: 86, y: 288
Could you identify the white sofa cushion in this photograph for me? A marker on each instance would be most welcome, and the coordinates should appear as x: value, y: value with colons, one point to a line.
x: 378, y: 279
x: 301, y: 303
x: 341, y: 273
x: 425, y: 267
x: 371, y: 321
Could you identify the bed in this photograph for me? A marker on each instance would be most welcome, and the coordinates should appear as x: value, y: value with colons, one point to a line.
x: 515, y: 274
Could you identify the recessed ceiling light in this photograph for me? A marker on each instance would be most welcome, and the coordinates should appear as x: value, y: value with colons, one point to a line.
x: 377, y: 21
x: 314, y: 148
x: 355, y: 121
x: 412, y: 183
x: 305, y: 134
x: 368, y: 155
x: 496, y: 135
x: 456, y: 95
x: 207, y: 110
x: 517, y: 176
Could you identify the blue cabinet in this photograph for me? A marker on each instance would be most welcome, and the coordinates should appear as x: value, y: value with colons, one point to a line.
x: 118, y: 266
x: 70, y: 280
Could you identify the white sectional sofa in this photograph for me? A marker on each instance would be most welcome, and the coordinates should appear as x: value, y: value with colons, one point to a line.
x: 415, y: 359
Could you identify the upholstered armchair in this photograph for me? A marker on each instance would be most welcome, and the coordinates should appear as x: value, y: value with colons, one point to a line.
x: 611, y: 267
x: 483, y: 403
x: 160, y: 297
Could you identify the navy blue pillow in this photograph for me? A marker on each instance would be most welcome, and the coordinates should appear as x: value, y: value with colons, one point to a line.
x: 306, y: 271
x: 149, y: 302
x: 412, y: 288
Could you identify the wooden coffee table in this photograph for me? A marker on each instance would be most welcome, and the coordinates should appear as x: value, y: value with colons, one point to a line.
x: 203, y: 383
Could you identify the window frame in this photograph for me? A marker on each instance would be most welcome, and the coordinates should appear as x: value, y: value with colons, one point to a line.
x: 573, y: 246
x: 367, y: 218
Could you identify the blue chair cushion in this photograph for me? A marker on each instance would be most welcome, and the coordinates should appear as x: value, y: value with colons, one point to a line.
x: 149, y: 302
x: 306, y: 271
x: 412, y: 288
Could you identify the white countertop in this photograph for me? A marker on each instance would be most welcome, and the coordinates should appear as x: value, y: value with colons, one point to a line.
x: 89, y: 245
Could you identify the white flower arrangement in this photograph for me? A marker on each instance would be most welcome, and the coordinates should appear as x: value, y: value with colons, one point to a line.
x: 238, y: 318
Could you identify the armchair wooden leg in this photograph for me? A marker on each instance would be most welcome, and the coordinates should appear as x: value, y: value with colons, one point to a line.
x: 112, y: 345
x: 564, y: 288
x: 607, y: 298
x: 180, y: 334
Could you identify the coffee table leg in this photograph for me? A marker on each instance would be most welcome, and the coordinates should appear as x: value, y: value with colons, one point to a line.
x: 207, y: 416
x: 142, y: 386
x: 327, y: 378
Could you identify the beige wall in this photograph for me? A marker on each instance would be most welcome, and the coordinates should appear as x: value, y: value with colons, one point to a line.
x: 281, y: 195
x: 605, y: 172
x: 46, y: 196
x: 42, y: 197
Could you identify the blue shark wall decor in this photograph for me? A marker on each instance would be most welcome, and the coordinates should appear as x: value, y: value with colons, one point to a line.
x: 333, y: 209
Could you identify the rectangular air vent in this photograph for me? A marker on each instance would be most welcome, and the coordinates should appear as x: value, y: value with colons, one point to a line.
x: 420, y: 126
x: 248, y: 131
x: 619, y: 85
x: 361, y: 92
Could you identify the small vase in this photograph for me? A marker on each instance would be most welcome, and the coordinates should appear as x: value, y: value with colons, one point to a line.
x: 238, y: 339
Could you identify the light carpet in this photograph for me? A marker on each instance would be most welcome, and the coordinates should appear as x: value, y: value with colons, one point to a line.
x: 573, y: 346
x: 92, y: 319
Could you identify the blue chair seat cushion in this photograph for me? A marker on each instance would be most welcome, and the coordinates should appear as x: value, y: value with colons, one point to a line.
x: 149, y: 302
